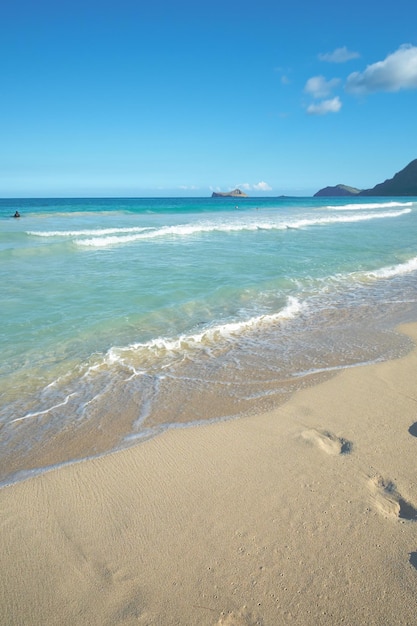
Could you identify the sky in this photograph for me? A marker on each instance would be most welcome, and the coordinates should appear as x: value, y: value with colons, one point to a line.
x: 181, y: 98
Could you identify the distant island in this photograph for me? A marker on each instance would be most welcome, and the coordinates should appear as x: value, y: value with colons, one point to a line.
x: 338, y: 190
x: 236, y: 193
x: 404, y: 183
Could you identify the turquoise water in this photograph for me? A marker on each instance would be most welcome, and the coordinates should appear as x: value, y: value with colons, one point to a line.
x: 121, y: 317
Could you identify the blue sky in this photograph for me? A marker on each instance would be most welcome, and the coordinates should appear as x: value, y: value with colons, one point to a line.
x: 182, y: 98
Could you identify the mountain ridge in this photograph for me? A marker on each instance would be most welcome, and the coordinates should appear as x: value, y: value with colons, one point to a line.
x: 403, y: 183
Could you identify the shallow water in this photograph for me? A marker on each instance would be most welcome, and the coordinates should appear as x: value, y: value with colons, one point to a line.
x: 122, y: 317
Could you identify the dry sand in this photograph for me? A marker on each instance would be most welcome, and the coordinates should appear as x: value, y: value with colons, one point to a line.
x: 301, y: 516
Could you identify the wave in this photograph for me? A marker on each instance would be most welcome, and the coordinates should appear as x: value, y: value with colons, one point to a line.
x: 394, y: 270
x: 138, y: 360
x: 369, y: 205
x: 348, y: 218
x: 323, y: 284
x: 163, y: 346
x: 72, y: 214
x: 195, y: 229
x: 91, y: 232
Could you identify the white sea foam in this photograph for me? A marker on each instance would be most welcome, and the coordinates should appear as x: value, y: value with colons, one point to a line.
x: 181, y: 230
x: 208, y: 337
x: 185, y: 230
x: 44, y: 412
x: 369, y: 205
x: 348, y: 218
x: 395, y: 270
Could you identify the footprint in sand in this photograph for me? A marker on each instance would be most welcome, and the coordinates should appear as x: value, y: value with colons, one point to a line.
x: 328, y: 441
x: 389, y: 502
x: 413, y: 430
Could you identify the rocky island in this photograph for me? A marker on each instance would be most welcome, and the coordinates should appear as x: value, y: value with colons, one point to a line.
x: 236, y: 193
x: 338, y: 190
x: 403, y: 183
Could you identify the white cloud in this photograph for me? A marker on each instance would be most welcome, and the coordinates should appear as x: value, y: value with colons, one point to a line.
x: 319, y: 87
x: 326, y: 106
x: 340, y: 55
x: 397, y: 71
x: 262, y: 186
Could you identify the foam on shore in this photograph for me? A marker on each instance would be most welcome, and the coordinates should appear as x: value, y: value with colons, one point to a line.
x: 306, y: 515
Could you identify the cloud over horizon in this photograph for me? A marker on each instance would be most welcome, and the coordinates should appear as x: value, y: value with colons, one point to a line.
x: 397, y: 71
x: 340, y: 55
x: 261, y: 186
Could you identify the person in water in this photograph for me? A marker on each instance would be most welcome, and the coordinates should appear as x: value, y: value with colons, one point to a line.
x: 17, y: 214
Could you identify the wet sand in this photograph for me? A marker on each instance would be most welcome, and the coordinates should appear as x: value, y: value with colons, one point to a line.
x: 305, y: 515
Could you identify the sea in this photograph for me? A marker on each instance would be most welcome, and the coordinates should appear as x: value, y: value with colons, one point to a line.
x: 122, y: 318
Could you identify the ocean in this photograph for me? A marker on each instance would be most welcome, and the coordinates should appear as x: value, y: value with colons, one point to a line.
x: 121, y: 318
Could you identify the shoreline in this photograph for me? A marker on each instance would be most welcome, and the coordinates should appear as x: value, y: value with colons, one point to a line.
x: 304, y: 514
x: 37, y: 447
x: 253, y: 306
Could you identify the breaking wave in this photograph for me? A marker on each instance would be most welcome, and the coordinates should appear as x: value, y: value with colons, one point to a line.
x: 395, y: 270
x: 369, y: 205
x: 209, y: 337
x: 185, y: 230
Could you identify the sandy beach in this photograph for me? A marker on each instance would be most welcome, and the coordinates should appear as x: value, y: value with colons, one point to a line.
x: 306, y: 515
